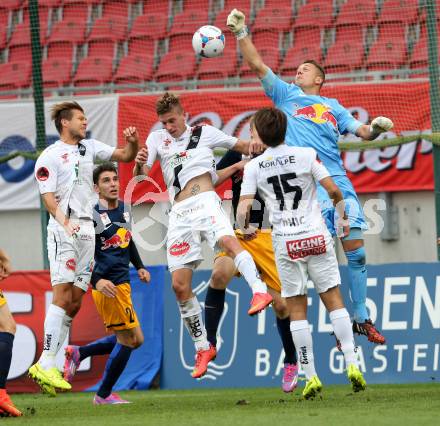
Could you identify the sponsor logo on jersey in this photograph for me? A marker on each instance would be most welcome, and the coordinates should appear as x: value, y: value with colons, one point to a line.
x: 298, y: 249
x: 71, y: 264
x: 120, y: 239
x: 179, y: 159
x: 318, y: 113
x: 179, y: 249
x: 277, y: 161
x: 42, y: 174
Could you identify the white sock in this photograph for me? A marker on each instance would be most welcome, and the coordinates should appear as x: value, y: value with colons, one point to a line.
x: 52, y: 330
x: 343, y: 330
x: 65, y: 327
x: 246, y: 265
x: 191, y: 314
x: 302, y: 337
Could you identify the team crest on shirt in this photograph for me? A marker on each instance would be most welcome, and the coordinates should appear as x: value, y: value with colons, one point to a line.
x: 65, y: 158
x: 166, y: 143
x: 42, y: 174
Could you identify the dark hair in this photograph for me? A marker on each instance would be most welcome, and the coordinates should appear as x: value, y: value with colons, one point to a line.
x: 63, y: 111
x: 167, y: 102
x: 104, y: 167
x: 320, y: 68
x: 271, y: 125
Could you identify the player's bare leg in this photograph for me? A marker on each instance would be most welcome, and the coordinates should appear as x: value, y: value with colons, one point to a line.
x: 340, y: 320
x: 246, y: 266
x: 362, y: 324
x: 7, y: 333
x: 44, y: 372
x: 191, y: 314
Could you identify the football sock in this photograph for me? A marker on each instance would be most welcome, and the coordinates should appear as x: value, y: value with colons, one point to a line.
x: 358, y: 283
x: 302, y: 337
x: 191, y: 314
x: 52, y: 330
x: 6, y: 342
x: 246, y: 265
x: 283, y: 326
x: 214, y: 305
x: 98, y: 347
x: 116, y: 363
x: 344, y: 333
x: 65, y: 327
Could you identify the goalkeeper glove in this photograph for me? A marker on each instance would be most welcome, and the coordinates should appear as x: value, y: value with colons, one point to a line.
x: 380, y: 125
x: 235, y: 23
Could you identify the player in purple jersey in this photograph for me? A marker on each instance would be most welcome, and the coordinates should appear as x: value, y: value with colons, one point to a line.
x: 317, y: 122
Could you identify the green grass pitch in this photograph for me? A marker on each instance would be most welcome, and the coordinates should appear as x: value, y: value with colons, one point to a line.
x: 416, y: 404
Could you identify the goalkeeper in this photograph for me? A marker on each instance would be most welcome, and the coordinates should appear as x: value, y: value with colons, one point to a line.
x: 317, y: 122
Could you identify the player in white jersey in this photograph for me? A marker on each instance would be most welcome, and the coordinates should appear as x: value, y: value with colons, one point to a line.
x: 188, y: 167
x: 64, y: 173
x: 286, y: 179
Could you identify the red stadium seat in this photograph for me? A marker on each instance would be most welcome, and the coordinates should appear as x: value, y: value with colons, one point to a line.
x: 176, y: 66
x: 188, y: 22
x: 180, y: 42
x: 297, y: 54
x: 15, y: 75
x: 196, y: 6
x: 4, y: 20
x: 391, y: 29
x: 76, y: 10
x: 317, y: 13
x: 284, y: 4
x: 237, y: 4
x: 218, y: 68
x: 68, y: 30
x: 307, y: 36
x: 266, y: 39
x: 101, y: 48
x: 135, y: 69
x: 274, y: 18
x: 141, y: 46
x: 153, y: 25
x: 20, y: 35
x: 56, y: 72
x: 387, y: 54
x: 344, y: 56
x: 20, y: 53
x: 271, y: 57
x: 113, y: 28
x: 351, y: 33
x: 154, y: 6
x: 60, y: 50
x: 115, y: 8
x: 11, y: 4
x: 403, y: 11
x: 50, y: 3
x: 93, y: 72
x: 357, y: 12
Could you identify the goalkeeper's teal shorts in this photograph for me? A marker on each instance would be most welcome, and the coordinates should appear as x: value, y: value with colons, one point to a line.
x: 352, y: 205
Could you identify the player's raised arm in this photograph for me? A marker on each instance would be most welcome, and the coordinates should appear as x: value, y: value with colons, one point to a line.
x: 249, y: 147
x: 236, y: 23
x: 378, y: 125
x: 128, y: 153
x: 140, y: 162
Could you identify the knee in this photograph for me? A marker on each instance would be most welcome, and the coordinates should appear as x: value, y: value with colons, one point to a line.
x: 180, y: 288
x: 219, y: 279
x: 357, y: 257
x: 230, y: 245
x: 74, y: 308
x: 133, y: 341
x: 280, y: 308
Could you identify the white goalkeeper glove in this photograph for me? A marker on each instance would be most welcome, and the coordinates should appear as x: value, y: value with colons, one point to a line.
x: 380, y: 125
x: 235, y: 23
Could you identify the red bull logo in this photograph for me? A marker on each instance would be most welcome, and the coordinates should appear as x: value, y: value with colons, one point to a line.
x: 318, y: 113
x: 120, y: 239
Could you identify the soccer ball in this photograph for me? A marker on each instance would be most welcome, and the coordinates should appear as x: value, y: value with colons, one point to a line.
x: 208, y: 41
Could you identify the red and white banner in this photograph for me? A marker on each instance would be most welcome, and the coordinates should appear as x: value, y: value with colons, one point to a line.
x: 29, y: 295
x: 403, y: 168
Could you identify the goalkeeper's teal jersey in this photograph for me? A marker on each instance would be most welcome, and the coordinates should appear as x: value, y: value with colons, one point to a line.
x: 312, y: 121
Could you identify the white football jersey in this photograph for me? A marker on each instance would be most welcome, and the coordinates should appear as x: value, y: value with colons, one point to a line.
x: 67, y: 171
x: 286, y: 177
x: 179, y: 164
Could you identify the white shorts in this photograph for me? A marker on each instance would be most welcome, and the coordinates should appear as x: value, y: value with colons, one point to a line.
x: 191, y: 221
x: 299, y: 259
x: 71, y: 259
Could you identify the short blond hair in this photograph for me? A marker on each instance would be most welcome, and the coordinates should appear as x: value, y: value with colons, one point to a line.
x: 64, y: 111
x: 167, y: 102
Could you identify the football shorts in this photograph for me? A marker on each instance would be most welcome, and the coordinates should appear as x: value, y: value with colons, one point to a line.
x: 353, y: 206
x: 261, y: 250
x: 300, y: 259
x: 117, y: 312
x: 2, y: 298
x: 192, y: 221
x: 71, y: 258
